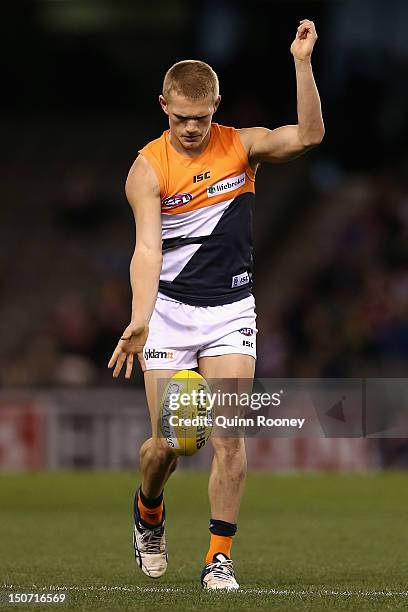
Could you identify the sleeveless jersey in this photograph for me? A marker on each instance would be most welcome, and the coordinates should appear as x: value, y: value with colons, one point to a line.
x: 206, y: 205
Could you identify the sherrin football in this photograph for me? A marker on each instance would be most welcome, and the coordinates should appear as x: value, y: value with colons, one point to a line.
x: 186, y: 419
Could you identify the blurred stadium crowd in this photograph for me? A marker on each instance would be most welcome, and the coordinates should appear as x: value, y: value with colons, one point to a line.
x: 349, y: 316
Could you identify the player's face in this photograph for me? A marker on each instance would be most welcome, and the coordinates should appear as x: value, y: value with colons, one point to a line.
x: 189, y: 120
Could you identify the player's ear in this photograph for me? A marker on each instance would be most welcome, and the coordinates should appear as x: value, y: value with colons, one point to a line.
x: 163, y: 103
x: 217, y: 103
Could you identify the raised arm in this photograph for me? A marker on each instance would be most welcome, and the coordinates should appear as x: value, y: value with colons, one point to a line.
x: 143, y: 194
x: 290, y: 141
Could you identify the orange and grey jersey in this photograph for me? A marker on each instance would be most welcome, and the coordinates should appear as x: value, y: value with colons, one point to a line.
x: 206, y: 205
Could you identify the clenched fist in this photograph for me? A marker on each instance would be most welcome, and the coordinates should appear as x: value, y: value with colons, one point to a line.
x: 304, y: 42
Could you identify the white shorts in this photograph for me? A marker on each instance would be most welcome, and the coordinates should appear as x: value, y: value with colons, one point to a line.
x: 180, y: 333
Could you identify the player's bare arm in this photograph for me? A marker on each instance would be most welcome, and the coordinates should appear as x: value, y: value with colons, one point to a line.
x: 290, y: 141
x: 143, y: 194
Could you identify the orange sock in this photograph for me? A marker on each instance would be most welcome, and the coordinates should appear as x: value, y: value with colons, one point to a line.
x: 151, y: 516
x: 218, y: 544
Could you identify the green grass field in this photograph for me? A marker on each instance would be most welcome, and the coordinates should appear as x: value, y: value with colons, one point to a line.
x: 314, y: 542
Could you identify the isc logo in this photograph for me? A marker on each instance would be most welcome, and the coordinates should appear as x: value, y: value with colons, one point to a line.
x: 201, y: 177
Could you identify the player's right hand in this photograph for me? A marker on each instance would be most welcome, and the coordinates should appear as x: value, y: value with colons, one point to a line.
x: 130, y: 344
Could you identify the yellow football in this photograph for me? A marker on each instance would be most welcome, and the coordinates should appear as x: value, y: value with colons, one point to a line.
x: 186, y: 418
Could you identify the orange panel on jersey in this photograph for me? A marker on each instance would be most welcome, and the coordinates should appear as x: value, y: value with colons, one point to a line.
x: 220, y: 173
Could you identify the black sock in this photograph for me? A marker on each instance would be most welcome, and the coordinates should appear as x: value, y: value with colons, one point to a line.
x: 148, y: 502
x: 222, y: 528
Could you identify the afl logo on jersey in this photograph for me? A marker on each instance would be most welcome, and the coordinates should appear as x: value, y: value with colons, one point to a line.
x: 179, y: 199
x: 246, y: 331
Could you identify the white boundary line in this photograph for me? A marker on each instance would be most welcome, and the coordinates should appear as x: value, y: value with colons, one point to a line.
x: 185, y: 590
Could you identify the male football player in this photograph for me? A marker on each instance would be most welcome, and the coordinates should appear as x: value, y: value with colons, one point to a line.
x: 192, y: 194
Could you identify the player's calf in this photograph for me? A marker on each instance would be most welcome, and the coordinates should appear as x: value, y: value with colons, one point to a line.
x: 157, y: 462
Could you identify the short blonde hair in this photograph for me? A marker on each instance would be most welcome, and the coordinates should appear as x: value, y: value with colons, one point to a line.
x: 192, y: 79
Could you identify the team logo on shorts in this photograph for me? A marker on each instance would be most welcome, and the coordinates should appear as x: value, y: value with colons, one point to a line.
x: 179, y: 199
x: 152, y: 353
x: 246, y: 331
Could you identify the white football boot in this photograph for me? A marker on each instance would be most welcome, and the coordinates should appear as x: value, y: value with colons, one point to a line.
x: 150, y: 547
x: 219, y: 574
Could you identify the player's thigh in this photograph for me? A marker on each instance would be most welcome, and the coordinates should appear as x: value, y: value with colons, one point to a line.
x: 233, y: 366
x: 229, y: 374
x: 155, y: 381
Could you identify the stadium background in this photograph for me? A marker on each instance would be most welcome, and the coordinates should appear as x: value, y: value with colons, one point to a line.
x: 80, y: 86
x: 80, y: 81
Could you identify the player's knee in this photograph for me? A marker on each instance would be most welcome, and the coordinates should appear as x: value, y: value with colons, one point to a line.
x: 164, y: 452
x: 173, y: 463
x: 158, y: 451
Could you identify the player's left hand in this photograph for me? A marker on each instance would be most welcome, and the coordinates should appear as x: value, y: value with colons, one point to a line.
x: 305, y: 39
